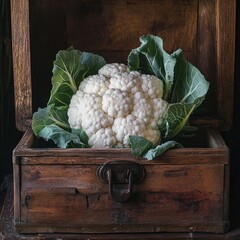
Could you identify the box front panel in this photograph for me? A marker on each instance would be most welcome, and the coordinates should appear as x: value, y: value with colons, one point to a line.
x: 171, y: 198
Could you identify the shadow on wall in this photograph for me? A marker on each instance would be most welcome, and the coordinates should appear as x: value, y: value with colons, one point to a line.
x: 232, y: 137
x: 8, y: 132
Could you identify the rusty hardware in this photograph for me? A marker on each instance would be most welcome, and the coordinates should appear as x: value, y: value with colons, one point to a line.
x: 120, y: 176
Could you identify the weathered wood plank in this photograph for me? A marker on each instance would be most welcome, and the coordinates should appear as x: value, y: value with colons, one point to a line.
x: 97, y: 156
x: 17, y: 191
x: 225, y: 58
x: 164, y: 178
x: 21, y: 62
x: 189, y: 195
x: 8, y: 231
x: 114, y: 25
x: 215, y: 152
x: 104, y: 28
x: 206, y: 50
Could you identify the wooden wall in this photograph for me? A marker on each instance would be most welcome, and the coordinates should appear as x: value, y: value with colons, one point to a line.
x: 55, y: 26
x: 112, y: 28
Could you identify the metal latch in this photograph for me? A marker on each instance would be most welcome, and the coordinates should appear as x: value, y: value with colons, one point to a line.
x: 121, y: 175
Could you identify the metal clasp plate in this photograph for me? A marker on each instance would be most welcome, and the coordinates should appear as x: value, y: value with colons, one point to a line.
x: 121, y: 175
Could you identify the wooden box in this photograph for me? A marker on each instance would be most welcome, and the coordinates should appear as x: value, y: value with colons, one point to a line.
x: 185, y: 190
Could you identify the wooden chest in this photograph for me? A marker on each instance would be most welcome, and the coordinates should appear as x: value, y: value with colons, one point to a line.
x: 61, y: 190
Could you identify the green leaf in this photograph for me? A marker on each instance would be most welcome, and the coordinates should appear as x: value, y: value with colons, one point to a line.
x: 184, y: 85
x: 151, y: 58
x: 189, y: 84
x: 190, y: 88
x: 139, y: 145
x: 160, y: 149
x: 52, y: 124
x: 61, y: 137
x: 82, y: 135
x: 48, y: 116
x: 176, y: 118
x: 70, y: 68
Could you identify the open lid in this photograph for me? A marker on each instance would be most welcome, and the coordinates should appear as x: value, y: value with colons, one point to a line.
x: 204, y: 29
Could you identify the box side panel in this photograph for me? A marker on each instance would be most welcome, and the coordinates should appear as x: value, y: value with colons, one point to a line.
x: 17, y: 189
x: 172, y: 198
x: 226, y: 192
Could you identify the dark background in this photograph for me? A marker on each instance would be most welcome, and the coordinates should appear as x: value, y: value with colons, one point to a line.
x: 10, y: 135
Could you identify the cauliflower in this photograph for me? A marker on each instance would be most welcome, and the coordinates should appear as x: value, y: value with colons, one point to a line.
x: 117, y: 103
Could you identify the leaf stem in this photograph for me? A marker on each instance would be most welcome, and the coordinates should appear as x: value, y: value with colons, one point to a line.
x: 61, y: 124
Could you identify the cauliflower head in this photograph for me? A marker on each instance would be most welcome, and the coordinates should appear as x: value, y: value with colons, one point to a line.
x: 117, y: 103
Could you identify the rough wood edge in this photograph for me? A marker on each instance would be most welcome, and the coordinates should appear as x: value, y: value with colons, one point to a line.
x: 16, y: 190
x: 225, y: 60
x: 21, y: 62
x: 171, y: 227
x: 215, y: 139
x: 226, y: 193
x: 216, y: 153
x: 7, y: 231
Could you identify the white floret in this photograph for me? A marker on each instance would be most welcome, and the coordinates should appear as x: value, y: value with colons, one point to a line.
x: 95, y: 84
x: 116, y: 103
x: 123, y: 127
x: 154, y: 136
x: 129, y: 82
x: 104, y: 137
x: 85, y: 111
x: 74, y: 116
x: 152, y: 85
x: 80, y: 104
x: 110, y: 70
x: 95, y: 120
x: 89, y: 101
x: 142, y: 108
x: 159, y: 109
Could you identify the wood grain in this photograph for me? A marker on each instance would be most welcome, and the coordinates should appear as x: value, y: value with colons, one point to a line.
x: 225, y: 58
x: 117, y: 25
x: 206, y: 51
x: 204, y: 29
x: 215, y: 152
x: 104, y: 28
x: 188, y: 195
x: 8, y: 230
x: 17, y: 191
x: 21, y: 62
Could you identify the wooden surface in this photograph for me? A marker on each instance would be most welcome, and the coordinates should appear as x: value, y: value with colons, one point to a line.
x: 7, y: 230
x: 204, y: 29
